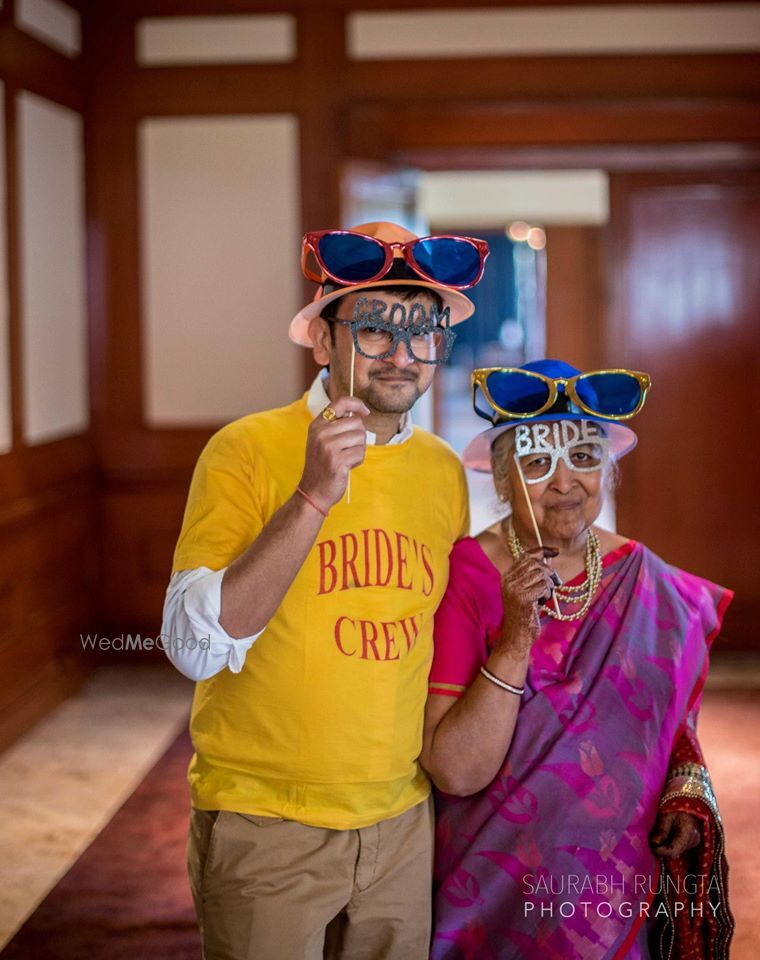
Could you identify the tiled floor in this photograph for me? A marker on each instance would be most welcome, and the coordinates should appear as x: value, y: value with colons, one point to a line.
x: 64, y: 780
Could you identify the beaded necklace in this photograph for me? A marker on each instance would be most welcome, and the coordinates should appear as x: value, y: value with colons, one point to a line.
x: 582, y: 593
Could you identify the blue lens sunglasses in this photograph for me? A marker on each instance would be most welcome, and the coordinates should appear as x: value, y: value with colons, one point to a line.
x: 350, y: 258
x: 518, y: 394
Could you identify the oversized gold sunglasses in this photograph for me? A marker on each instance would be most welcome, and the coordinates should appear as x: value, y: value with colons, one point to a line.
x: 515, y: 393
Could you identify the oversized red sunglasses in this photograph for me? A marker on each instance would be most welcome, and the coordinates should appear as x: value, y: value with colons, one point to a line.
x: 351, y: 258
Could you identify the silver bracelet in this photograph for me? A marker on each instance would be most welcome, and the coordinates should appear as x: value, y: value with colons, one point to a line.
x: 518, y: 691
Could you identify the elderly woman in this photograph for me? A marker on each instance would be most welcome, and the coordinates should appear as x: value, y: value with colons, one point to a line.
x: 575, y: 815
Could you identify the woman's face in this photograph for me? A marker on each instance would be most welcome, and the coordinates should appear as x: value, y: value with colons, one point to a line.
x: 568, y: 502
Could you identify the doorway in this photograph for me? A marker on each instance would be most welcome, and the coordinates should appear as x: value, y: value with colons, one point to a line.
x: 519, y: 316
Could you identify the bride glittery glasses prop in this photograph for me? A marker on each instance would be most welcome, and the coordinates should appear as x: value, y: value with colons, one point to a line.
x: 583, y: 448
x: 581, y: 445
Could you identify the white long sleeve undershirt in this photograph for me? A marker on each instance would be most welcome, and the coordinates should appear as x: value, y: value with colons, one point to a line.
x: 194, y: 640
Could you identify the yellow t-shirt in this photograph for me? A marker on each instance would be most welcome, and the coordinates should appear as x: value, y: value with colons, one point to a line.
x: 324, y: 723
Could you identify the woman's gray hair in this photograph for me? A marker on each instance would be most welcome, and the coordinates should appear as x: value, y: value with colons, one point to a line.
x: 501, y: 454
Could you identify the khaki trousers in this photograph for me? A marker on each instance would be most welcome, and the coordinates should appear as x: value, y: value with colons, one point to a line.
x: 272, y: 889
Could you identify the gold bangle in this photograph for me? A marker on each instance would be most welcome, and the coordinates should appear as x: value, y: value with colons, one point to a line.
x: 689, y: 770
x: 691, y: 788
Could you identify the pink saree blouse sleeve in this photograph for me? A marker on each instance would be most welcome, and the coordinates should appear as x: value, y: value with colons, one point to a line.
x: 468, y: 615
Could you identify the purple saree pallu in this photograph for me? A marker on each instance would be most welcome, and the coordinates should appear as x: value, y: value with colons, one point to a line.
x: 552, y: 859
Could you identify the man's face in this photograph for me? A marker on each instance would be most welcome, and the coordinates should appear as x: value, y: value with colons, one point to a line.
x: 389, y: 385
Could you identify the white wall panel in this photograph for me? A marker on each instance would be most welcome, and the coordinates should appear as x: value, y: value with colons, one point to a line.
x: 644, y: 28
x: 52, y: 22
x: 494, y: 198
x: 257, y: 38
x: 220, y: 266
x: 5, y: 360
x: 52, y: 250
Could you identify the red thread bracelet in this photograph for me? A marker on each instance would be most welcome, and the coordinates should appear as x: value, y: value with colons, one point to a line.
x: 308, y: 499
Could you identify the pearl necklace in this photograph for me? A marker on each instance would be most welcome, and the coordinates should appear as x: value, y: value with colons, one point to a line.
x: 582, y: 593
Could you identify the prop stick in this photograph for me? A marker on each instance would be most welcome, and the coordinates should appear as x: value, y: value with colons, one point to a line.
x: 533, y: 519
x: 351, y: 393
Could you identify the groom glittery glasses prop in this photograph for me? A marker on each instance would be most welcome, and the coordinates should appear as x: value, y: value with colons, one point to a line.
x: 350, y: 258
x: 515, y: 393
x: 377, y: 339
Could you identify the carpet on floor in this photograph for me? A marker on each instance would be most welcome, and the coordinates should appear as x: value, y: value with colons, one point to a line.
x: 127, y: 896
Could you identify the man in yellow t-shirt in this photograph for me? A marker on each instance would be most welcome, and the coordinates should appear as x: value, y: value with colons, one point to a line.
x: 313, y: 554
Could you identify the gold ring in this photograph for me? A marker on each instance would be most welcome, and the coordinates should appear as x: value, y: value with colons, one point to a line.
x: 329, y: 414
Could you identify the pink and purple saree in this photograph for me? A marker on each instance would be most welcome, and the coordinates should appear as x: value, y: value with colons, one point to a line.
x: 552, y: 859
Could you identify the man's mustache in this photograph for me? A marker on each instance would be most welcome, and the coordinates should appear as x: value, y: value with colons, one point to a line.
x: 396, y: 374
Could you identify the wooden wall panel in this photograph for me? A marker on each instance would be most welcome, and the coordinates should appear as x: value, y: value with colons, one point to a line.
x: 48, y: 580
x: 603, y: 78
x: 438, y: 134
x: 48, y: 529
x: 574, y: 295
x: 685, y: 304
x: 157, y: 8
x: 140, y: 526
